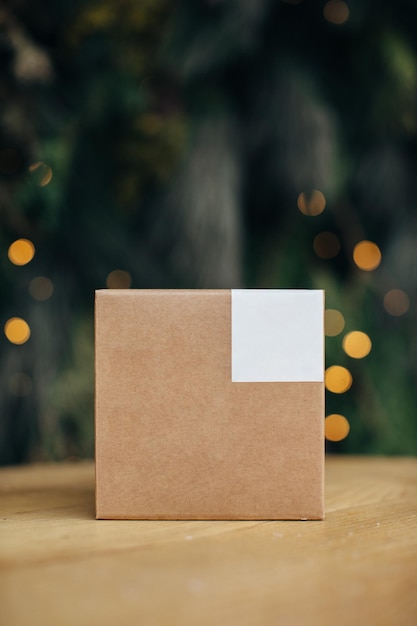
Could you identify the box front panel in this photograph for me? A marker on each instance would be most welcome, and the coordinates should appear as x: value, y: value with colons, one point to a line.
x: 176, y: 438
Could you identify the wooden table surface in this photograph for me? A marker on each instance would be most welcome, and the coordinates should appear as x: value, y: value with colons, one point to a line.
x: 59, y: 566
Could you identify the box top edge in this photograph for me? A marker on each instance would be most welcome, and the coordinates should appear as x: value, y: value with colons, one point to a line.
x: 102, y: 291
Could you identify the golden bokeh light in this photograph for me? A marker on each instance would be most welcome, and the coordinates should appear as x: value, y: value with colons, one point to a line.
x: 311, y: 203
x: 41, y: 288
x: 46, y: 178
x: 150, y: 123
x: 336, y: 427
x: 20, y: 384
x: 21, y: 252
x: 17, y: 330
x: 119, y: 279
x: 337, y: 379
x: 396, y: 302
x: 326, y: 245
x: 367, y: 255
x: 357, y: 344
x: 336, y: 12
x: 334, y: 322
x: 43, y: 173
x: 35, y: 166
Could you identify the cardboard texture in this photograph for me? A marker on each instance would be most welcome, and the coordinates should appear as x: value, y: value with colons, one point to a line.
x: 176, y: 438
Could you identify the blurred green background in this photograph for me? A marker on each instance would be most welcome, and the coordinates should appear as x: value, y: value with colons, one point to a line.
x: 207, y: 143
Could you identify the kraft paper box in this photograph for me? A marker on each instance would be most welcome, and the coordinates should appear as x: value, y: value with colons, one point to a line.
x: 209, y: 404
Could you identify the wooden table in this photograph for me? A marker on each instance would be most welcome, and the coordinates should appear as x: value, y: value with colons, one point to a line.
x: 58, y: 566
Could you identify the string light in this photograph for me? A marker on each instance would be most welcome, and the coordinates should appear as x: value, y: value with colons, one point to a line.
x: 357, y: 344
x: 334, y: 322
x: 396, y: 302
x: 337, y: 379
x: 367, y: 255
x: 326, y: 245
x: 21, y: 252
x: 311, y: 203
x: 336, y: 427
x: 119, y: 279
x: 336, y: 12
x: 17, y: 330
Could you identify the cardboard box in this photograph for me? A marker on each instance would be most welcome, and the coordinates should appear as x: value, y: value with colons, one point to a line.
x: 209, y: 404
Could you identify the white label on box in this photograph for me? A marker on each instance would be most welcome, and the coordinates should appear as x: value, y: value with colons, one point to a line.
x: 277, y: 335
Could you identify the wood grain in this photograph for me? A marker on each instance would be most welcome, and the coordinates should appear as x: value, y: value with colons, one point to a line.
x: 59, y: 566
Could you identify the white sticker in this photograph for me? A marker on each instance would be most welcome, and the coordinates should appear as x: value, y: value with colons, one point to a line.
x: 277, y: 335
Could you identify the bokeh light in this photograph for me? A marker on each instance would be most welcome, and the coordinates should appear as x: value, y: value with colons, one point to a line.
x: 311, y: 203
x: 336, y: 427
x: 337, y: 379
x: 396, y: 302
x: 43, y: 173
x: 326, y: 245
x: 367, y: 255
x: 119, y: 279
x: 334, y: 322
x: 336, y: 12
x: 17, y: 330
x: 150, y: 123
x: 357, y: 344
x: 41, y: 288
x: 21, y: 252
x: 20, y: 384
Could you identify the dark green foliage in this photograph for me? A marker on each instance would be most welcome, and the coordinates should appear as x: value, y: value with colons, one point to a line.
x: 179, y: 136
